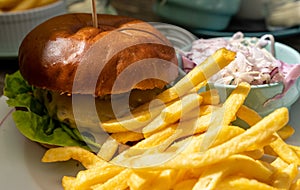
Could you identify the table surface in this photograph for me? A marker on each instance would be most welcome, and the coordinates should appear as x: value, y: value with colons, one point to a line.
x: 133, y: 8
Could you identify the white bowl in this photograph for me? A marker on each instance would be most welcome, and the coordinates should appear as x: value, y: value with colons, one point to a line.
x: 259, y: 94
x: 15, y: 25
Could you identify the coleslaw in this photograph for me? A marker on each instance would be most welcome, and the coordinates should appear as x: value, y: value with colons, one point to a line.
x: 253, y: 63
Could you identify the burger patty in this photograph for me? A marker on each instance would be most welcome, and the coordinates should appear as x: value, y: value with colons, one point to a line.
x: 62, y: 106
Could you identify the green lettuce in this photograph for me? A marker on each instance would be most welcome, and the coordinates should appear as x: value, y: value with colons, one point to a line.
x: 33, y: 121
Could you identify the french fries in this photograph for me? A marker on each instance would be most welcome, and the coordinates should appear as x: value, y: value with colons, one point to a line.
x: 204, y: 150
x: 20, y: 5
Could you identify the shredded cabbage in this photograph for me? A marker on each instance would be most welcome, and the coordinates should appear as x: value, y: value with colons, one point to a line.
x: 253, y: 63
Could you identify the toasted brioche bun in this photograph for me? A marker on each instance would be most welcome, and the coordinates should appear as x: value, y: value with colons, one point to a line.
x: 51, y: 54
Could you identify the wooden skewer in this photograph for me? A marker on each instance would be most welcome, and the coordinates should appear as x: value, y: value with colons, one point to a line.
x: 94, y: 14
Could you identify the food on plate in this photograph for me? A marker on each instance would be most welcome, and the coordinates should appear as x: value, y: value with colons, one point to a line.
x: 21, y: 5
x: 66, y: 66
x: 206, y: 150
x: 237, y: 158
x: 253, y: 63
x: 157, y: 136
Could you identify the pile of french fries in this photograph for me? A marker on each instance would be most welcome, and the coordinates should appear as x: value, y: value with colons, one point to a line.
x: 20, y: 5
x: 188, y: 140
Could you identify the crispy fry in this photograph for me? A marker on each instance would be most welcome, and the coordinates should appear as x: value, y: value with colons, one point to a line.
x: 296, y: 149
x: 251, y: 117
x: 186, y: 184
x: 93, y: 176
x: 141, y: 180
x: 210, y: 97
x: 129, y: 136
x: 242, y: 183
x: 248, y: 115
x: 198, y: 87
x: 234, y: 164
x: 8, y: 4
x: 125, y: 157
x: 279, y: 163
x: 108, y: 149
x: 173, y: 113
x: 25, y: 4
x: 67, y: 182
x: 45, y: 2
x: 196, y: 113
x: 201, y: 151
x: 226, y: 114
x: 157, y: 138
x: 255, y: 154
x: 283, y: 179
x: 87, y: 159
x: 131, y: 123
x: 199, y: 74
x: 282, y: 150
x: 194, y: 144
x: 295, y: 185
x: 117, y: 182
x: 277, y: 147
x: 286, y: 132
x: 262, y: 130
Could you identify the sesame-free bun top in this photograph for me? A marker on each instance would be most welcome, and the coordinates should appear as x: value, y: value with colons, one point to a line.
x: 67, y: 54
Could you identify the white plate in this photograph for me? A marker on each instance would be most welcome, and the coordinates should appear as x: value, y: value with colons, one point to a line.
x: 20, y: 160
x: 20, y: 163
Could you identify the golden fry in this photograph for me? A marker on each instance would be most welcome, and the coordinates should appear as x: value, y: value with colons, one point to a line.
x: 132, y: 122
x: 286, y: 132
x: 93, y: 176
x: 186, y: 184
x: 210, y: 97
x: 119, y: 181
x: 224, y: 116
x: 24, y: 5
x: 6, y: 5
x: 251, y: 117
x: 108, y: 149
x: 198, y: 87
x: 141, y: 180
x: 284, y: 151
x: 201, y: 151
x: 87, y: 159
x: 67, y: 182
x: 156, y: 138
x: 283, y: 179
x: 45, y: 2
x: 234, y: 164
x: 173, y: 113
x: 262, y: 130
x: 278, y: 147
x: 248, y: 115
x: 295, y: 185
x: 199, y: 74
x: 129, y: 136
x: 242, y: 183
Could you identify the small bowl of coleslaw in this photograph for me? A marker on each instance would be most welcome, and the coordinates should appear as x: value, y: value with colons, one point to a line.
x: 272, y: 69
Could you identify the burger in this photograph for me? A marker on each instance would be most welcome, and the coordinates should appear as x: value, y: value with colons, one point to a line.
x: 73, y: 76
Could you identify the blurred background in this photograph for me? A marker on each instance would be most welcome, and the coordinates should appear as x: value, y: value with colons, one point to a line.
x: 203, y: 18
x: 248, y: 16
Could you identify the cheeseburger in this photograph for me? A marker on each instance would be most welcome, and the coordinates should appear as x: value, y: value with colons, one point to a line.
x: 65, y: 62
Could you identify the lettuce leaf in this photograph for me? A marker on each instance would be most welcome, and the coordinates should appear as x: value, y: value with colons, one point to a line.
x: 15, y: 85
x: 33, y: 120
x: 35, y: 128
